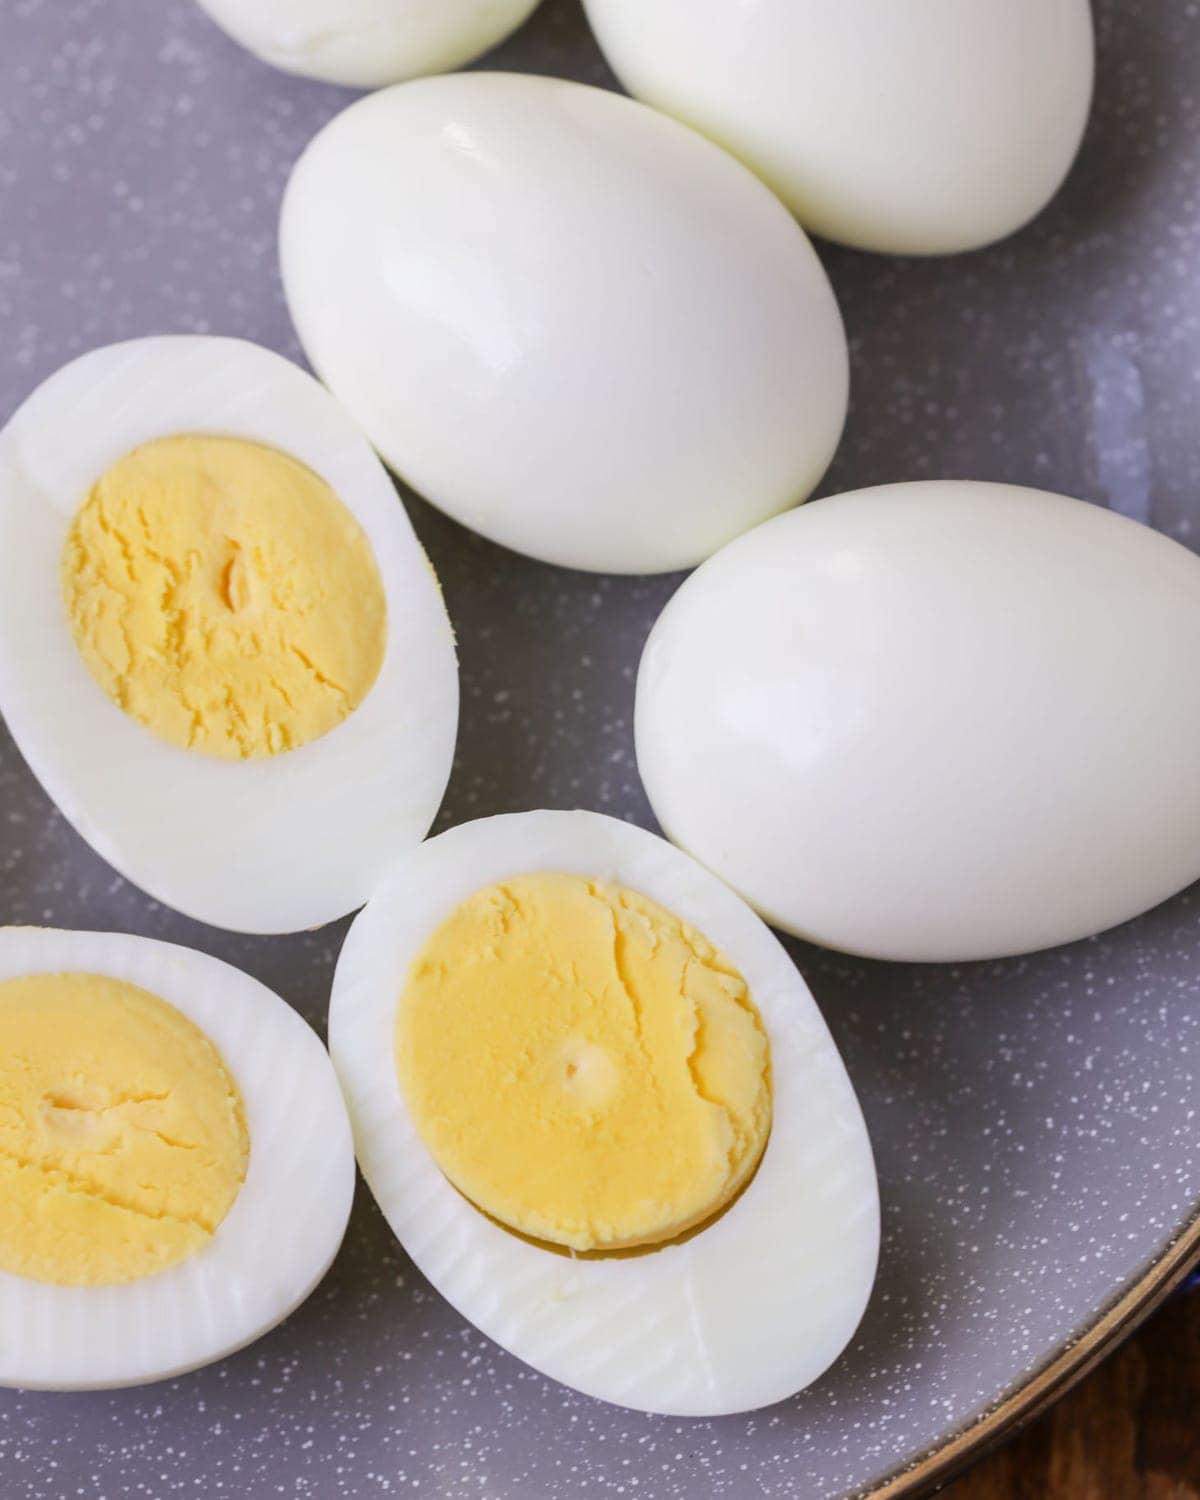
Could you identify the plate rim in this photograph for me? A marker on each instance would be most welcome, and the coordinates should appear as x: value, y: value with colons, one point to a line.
x: 1038, y: 1391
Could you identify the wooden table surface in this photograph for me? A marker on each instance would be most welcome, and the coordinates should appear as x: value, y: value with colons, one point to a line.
x: 1131, y: 1431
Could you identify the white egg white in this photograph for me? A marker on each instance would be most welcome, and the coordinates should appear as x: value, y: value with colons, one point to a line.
x: 279, y: 1236
x: 367, y: 43
x: 747, y: 1311
x: 272, y: 845
x: 913, y: 126
x: 572, y: 324
x: 933, y: 721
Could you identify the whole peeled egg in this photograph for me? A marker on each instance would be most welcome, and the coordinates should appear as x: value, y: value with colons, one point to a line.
x: 933, y: 721
x: 913, y: 127
x: 572, y: 324
x: 368, y: 43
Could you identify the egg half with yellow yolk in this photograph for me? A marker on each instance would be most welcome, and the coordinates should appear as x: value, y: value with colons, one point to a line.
x: 602, y: 1113
x: 221, y: 646
x: 176, y: 1165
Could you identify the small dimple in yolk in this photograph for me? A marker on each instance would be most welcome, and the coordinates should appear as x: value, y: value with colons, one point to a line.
x: 123, y: 1139
x: 222, y: 594
x: 583, y: 1066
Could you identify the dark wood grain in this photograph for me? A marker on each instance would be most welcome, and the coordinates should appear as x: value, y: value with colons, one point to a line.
x: 1130, y: 1431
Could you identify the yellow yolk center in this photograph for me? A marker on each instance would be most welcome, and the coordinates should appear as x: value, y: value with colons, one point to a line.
x: 583, y: 1065
x: 223, y: 595
x: 122, y: 1137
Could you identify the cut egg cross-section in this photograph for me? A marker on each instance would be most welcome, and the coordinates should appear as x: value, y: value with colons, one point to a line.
x: 176, y: 1165
x: 223, y: 651
x: 601, y: 1111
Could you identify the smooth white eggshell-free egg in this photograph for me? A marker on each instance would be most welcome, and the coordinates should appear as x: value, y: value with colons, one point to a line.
x: 367, y: 43
x: 283, y: 1228
x: 271, y: 845
x: 936, y: 720
x: 572, y: 324
x: 745, y: 1312
x: 910, y: 126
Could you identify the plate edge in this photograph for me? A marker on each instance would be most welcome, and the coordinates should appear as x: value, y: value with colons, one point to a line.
x: 1034, y: 1395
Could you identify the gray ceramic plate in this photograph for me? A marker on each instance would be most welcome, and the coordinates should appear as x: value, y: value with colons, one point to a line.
x: 1035, y: 1120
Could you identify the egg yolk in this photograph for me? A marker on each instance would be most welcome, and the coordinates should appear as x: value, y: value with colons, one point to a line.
x: 223, y: 596
x: 583, y: 1065
x: 123, y: 1140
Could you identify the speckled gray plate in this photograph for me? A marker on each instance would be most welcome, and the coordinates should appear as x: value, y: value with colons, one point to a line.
x: 1035, y: 1120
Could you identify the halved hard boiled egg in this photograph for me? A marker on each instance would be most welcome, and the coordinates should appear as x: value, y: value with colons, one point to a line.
x: 176, y: 1166
x: 222, y: 648
x: 602, y: 1113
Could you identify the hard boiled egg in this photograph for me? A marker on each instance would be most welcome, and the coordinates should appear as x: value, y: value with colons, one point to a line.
x: 933, y: 720
x: 367, y: 43
x: 572, y: 324
x: 222, y: 649
x: 914, y: 126
x: 600, y: 1110
x: 176, y: 1166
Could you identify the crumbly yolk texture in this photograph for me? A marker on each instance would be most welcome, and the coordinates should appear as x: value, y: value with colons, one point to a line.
x: 583, y: 1065
x: 223, y: 596
x: 123, y: 1140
